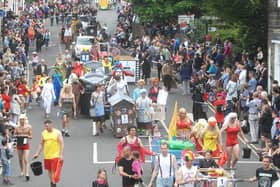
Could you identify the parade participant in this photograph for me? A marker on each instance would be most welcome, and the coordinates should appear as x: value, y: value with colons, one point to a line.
x: 220, y: 105
x: 131, y: 140
x: 53, y: 146
x: 77, y: 89
x: 42, y: 68
x: 67, y: 103
x: 183, y: 125
x: 154, y: 90
x: 23, y: 133
x: 196, y: 131
x: 68, y: 37
x: 102, y: 180
x: 265, y: 175
x: 97, y: 103
x: 118, y: 86
x: 232, y: 128
x: 57, y: 84
x: 188, y: 173
x: 167, y: 76
x: 136, y: 91
x: 165, y: 168
x: 48, y: 96
x: 211, y: 138
x: 94, y: 53
x: 129, y: 178
x: 144, y: 115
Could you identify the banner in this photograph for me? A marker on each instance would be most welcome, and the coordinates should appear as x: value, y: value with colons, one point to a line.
x: 104, y: 4
x: 185, y: 21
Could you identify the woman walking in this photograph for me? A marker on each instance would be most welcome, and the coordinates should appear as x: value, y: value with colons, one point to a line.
x: 97, y: 102
x: 232, y: 128
x: 67, y: 104
x: 23, y: 133
x: 48, y: 96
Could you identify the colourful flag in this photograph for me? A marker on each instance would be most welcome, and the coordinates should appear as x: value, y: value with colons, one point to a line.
x: 172, y: 124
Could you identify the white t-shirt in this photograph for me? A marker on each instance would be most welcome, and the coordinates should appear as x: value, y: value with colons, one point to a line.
x: 276, y: 184
x: 164, y: 170
x: 242, y: 77
x: 188, y: 173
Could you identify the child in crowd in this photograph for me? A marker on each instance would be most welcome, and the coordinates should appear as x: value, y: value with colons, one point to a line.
x: 155, y: 132
x: 6, y: 155
x: 137, y: 166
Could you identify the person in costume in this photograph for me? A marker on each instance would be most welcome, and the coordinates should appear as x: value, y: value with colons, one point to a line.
x: 57, y: 84
x: 53, y: 145
x: 48, y: 96
x: 135, y: 143
x: 210, y: 138
x: 183, y: 125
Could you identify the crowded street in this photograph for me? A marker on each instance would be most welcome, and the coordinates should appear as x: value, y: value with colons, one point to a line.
x: 76, y: 147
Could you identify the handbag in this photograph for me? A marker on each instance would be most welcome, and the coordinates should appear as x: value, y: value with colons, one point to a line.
x: 96, y: 109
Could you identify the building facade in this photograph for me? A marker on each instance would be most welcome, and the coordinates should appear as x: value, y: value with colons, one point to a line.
x: 273, y: 41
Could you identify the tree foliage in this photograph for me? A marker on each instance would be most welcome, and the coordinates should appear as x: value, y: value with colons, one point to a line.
x: 250, y: 16
x: 162, y: 10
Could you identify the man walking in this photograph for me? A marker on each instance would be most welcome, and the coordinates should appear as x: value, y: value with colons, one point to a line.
x: 53, y: 146
x: 165, y: 168
x: 129, y: 178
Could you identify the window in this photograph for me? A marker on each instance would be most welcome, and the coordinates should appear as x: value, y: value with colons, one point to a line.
x: 277, y: 62
x: 278, y: 3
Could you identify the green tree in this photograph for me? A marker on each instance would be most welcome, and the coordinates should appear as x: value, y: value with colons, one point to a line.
x: 250, y: 16
x: 163, y: 10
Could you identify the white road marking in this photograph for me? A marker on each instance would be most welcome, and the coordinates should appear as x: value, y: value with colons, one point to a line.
x: 164, y: 126
x: 94, y: 156
x: 248, y: 162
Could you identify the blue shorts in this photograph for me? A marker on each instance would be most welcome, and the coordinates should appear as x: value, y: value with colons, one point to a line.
x: 165, y: 182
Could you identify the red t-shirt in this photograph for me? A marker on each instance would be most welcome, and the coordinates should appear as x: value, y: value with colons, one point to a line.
x: 220, y: 116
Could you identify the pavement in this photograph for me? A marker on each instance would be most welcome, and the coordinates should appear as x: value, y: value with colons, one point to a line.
x: 84, y: 154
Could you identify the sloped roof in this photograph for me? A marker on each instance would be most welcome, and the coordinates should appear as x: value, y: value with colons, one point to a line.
x: 118, y: 98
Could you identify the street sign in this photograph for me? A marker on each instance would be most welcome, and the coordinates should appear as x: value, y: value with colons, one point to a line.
x: 212, y: 29
x: 2, y: 13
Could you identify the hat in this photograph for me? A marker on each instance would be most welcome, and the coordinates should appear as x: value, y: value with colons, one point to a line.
x: 188, y: 156
x: 143, y: 91
x: 22, y: 116
x: 212, y: 121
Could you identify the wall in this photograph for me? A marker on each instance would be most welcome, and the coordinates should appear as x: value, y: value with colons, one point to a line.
x: 273, y: 41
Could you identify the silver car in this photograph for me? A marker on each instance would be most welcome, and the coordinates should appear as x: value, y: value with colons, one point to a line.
x: 81, y: 43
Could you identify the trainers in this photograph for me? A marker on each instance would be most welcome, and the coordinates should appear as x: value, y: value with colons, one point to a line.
x: 67, y: 134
